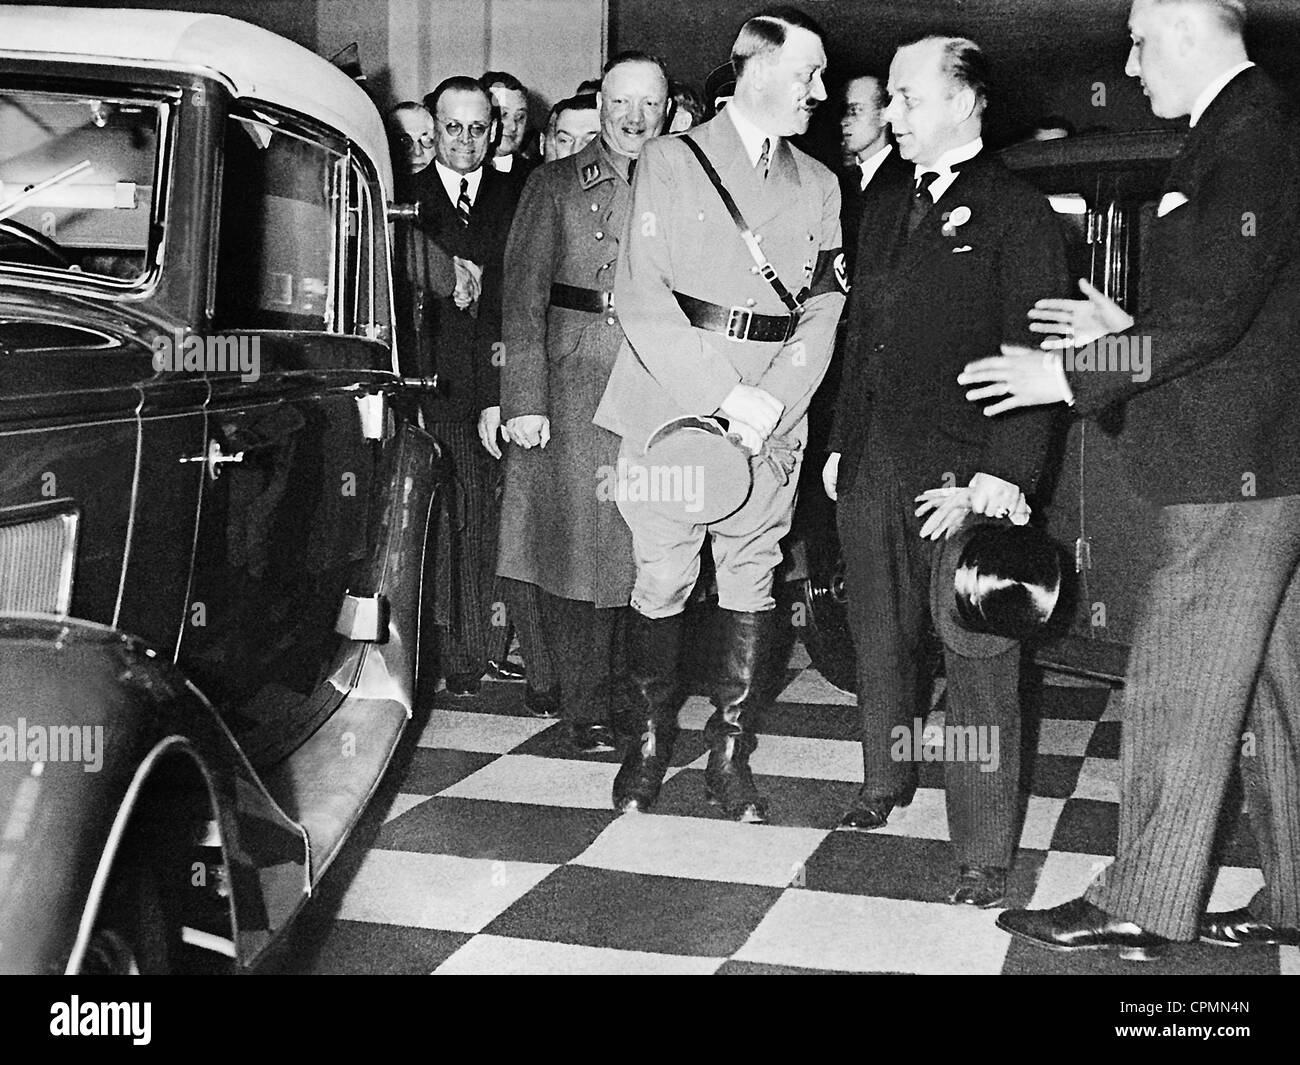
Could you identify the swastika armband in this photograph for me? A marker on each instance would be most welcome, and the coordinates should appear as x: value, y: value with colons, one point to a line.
x: 830, y: 275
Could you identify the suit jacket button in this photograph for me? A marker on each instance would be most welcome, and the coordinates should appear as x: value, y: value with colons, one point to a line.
x: 595, y: 207
x: 600, y: 234
x: 609, y: 320
x: 877, y: 347
x: 750, y: 302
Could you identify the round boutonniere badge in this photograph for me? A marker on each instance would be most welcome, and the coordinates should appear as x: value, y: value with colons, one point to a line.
x: 954, y: 218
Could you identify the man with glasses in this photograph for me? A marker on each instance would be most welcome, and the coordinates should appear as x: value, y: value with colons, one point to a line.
x: 466, y: 208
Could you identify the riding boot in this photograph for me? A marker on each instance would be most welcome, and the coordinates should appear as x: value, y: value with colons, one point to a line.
x: 653, y: 649
x: 745, y: 642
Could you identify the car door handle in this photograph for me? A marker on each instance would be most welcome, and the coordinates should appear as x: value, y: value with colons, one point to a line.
x: 214, y: 458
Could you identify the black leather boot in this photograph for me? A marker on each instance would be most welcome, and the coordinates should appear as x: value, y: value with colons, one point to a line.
x: 653, y: 648
x: 745, y: 641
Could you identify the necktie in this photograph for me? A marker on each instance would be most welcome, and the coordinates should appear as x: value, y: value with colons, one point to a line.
x: 631, y: 169
x: 764, y: 159
x: 462, y: 202
x: 921, y: 201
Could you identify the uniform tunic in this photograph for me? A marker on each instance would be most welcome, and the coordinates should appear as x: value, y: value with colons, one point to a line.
x: 557, y: 530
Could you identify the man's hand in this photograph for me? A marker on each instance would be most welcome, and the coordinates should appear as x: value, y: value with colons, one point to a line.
x: 756, y: 408
x: 1028, y: 377
x: 469, y: 282
x: 528, y: 430
x: 1077, y: 323
x: 750, y: 438
x: 489, y: 425
x: 831, y: 475
x: 985, y: 494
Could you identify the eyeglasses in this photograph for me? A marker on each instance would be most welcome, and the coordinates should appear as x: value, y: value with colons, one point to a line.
x: 477, y: 130
x: 424, y: 140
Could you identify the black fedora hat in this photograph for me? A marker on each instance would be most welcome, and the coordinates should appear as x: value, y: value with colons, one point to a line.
x: 993, y: 584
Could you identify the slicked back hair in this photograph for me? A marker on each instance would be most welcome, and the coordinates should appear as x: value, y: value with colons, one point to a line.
x: 493, y: 78
x: 1230, y: 13
x: 963, y: 61
x: 457, y: 83
x: 765, y: 33
x: 633, y: 55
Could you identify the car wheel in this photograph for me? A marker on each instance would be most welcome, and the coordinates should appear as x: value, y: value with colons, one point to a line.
x: 825, y: 629
x: 133, y: 935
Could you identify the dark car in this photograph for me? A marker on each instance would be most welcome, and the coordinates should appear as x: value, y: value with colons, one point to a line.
x: 1105, y: 188
x: 214, y: 498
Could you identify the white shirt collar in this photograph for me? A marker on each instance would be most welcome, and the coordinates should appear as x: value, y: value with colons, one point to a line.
x: 1211, y: 91
x: 944, y: 166
x: 750, y: 135
x: 872, y: 163
x: 451, y: 182
x: 503, y: 163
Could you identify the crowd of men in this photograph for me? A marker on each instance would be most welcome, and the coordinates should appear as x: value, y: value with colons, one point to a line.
x: 657, y: 282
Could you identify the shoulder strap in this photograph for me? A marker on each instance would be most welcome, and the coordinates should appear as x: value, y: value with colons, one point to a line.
x: 742, y: 227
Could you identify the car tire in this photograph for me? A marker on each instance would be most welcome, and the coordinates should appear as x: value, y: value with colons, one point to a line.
x: 133, y: 934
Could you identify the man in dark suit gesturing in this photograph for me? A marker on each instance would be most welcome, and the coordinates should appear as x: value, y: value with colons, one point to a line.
x: 947, y: 268
x: 1212, y: 434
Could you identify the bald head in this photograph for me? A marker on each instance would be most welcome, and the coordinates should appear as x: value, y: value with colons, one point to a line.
x: 1181, y: 46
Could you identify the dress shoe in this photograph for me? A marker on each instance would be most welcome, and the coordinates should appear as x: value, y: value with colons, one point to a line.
x: 984, y: 886
x: 591, y: 738
x: 1079, y: 925
x: 504, y: 670
x: 868, y: 814
x: 542, y: 704
x: 463, y: 684
x: 1240, y: 928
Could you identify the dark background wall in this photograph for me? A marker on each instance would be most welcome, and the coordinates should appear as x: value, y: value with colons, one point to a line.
x: 1049, y: 55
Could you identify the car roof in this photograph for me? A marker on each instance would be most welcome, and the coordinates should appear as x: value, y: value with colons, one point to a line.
x: 254, y: 62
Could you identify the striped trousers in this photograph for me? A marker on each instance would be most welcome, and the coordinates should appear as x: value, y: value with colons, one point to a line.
x: 484, y: 606
x: 1216, y: 651
x: 887, y: 570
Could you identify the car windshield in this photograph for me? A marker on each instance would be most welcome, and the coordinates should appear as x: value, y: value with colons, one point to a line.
x: 77, y: 183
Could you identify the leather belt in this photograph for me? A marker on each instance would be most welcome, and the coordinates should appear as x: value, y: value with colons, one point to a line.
x: 572, y: 298
x: 737, y: 323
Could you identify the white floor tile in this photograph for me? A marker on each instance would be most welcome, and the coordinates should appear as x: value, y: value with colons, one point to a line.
x: 703, y: 849
x: 403, y: 802
x: 798, y: 756
x: 486, y: 733
x: 1041, y: 815
x: 1065, y: 877
x: 1098, y: 779
x: 1289, y: 960
x: 436, y: 890
x: 822, y: 930
x: 499, y: 955
x: 538, y: 781
x: 1234, y: 887
x: 799, y: 658
x: 1065, y: 737
x: 811, y: 687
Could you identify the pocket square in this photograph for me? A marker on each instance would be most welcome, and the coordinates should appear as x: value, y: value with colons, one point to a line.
x: 1170, y: 201
x: 964, y: 247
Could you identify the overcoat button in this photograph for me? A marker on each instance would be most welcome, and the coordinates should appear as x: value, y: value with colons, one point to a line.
x: 600, y: 234
x: 609, y: 320
x: 750, y: 302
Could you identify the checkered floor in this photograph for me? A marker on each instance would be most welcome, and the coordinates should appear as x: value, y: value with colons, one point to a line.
x: 499, y: 853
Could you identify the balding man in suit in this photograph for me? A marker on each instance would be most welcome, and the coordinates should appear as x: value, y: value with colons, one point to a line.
x: 1211, y: 432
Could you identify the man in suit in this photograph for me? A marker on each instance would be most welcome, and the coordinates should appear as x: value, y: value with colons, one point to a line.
x: 708, y: 334
x: 512, y: 153
x: 1211, y: 431
x: 947, y: 269
x: 864, y: 140
x: 466, y: 209
x: 573, y: 124
x: 561, y: 335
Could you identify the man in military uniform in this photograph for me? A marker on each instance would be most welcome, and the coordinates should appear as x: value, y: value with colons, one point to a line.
x: 714, y: 328
x: 561, y: 335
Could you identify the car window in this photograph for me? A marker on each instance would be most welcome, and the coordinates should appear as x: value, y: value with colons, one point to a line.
x: 366, y: 310
x: 77, y: 176
x: 275, y: 264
